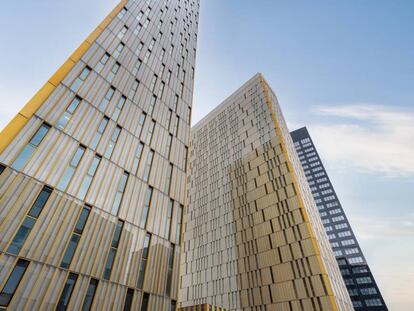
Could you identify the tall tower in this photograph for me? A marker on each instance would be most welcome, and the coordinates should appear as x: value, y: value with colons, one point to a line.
x: 253, y: 237
x: 358, y: 278
x: 93, y: 169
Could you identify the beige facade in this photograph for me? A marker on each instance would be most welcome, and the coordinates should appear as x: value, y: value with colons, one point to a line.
x: 253, y: 237
x: 93, y: 169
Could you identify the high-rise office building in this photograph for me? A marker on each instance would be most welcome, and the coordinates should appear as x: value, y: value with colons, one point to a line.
x: 358, y: 278
x: 253, y: 237
x: 93, y: 169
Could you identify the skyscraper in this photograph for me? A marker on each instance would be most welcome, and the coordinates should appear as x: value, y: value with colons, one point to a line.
x: 253, y: 237
x: 93, y: 169
x: 358, y: 278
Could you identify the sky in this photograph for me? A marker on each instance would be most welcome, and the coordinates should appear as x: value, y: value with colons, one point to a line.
x: 345, y: 69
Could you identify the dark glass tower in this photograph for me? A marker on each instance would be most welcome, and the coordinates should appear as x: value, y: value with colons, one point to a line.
x: 360, y: 282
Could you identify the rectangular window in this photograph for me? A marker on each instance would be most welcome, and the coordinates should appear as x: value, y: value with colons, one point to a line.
x: 90, y: 295
x: 118, y: 50
x: 2, y: 168
x: 128, y: 299
x: 146, y: 56
x: 120, y: 193
x: 119, y: 107
x: 169, y: 217
x: 136, y: 68
x: 67, y: 115
x: 102, y: 62
x: 13, y: 282
x: 31, y: 147
x: 122, y: 13
x: 150, y: 133
x: 145, y: 302
x: 153, y: 83
x: 89, y: 177
x: 169, y: 145
x: 99, y: 132
x: 122, y: 32
x: 144, y: 259
x: 174, y: 304
x: 141, y: 124
x: 70, y: 170
x: 170, y: 269
x: 137, y: 159
x: 112, y: 142
x: 148, y: 165
x: 28, y: 223
x: 152, y: 105
x: 161, y: 90
x: 67, y: 292
x: 108, y: 96
x: 112, y: 251
x: 113, y: 72
x: 134, y: 89
x: 147, y: 204
x: 179, y: 223
x: 75, y: 238
x: 80, y: 79
x: 169, y: 177
x: 186, y: 159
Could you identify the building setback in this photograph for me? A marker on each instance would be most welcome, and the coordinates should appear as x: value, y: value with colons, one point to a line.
x: 253, y: 236
x: 360, y: 282
x: 93, y: 169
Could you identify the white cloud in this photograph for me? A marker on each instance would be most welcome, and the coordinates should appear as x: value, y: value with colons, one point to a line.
x: 369, y: 137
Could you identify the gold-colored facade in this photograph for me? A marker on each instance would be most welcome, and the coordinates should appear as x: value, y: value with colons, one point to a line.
x: 253, y: 237
x: 93, y: 169
x: 203, y: 307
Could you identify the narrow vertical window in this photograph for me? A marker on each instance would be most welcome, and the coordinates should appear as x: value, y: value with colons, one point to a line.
x: 169, y: 177
x: 147, y: 204
x: 2, y: 168
x: 90, y: 295
x: 122, y: 32
x: 177, y: 98
x: 148, y: 165
x: 76, y: 235
x: 152, y: 105
x: 144, y: 259
x: 186, y: 159
x: 113, y: 72
x: 153, y: 83
x: 118, y: 50
x: 99, y: 132
x: 67, y: 292
x: 146, y: 56
x: 67, y: 115
x: 134, y: 89
x: 145, y: 302
x: 119, y: 107
x: 112, y: 142
x: 102, y: 62
x: 112, y: 252
x: 150, y: 133
x: 137, y: 159
x: 70, y: 170
x: 83, y: 190
x: 136, y: 67
x: 141, y: 124
x: 170, y: 269
x: 161, y: 90
x: 128, y: 299
x: 31, y: 147
x: 28, y: 223
x: 173, y: 305
x: 169, y: 217
x: 179, y: 223
x: 169, y: 145
x: 80, y: 79
x: 122, y: 13
x: 120, y: 193
x: 13, y: 282
x: 108, y: 96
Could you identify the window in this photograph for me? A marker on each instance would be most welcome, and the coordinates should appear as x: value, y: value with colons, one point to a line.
x: 108, y: 96
x: 146, y: 56
x: 122, y: 32
x: 28, y: 223
x: 368, y: 291
x: 89, y: 177
x: 152, y: 105
x: 147, y: 204
x: 356, y: 303
x: 170, y: 269
x: 355, y: 260
x: 113, y: 249
x: 113, y: 72
x: 134, y: 89
x: 99, y: 132
x: 153, y: 83
x: 122, y: 13
x: 136, y: 67
x: 145, y: 302
x: 169, y: 145
x: 31, y: 147
x: 67, y: 115
x: 174, y: 304
x: 90, y: 294
x: 358, y: 270
x: 373, y: 302
x: 70, y: 170
x: 161, y: 90
x: 120, y: 193
x: 2, y: 168
x: 118, y: 50
x: 364, y: 280
x: 169, y: 217
x: 76, y: 235
x: 67, y: 292
x: 144, y: 259
x: 141, y: 123
x: 102, y: 62
x: 137, y: 159
x: 112, y: 142
x: 148, y: 165
x: 119, y: 107
x: 128, y: 299
x: 80, y: 79
x: 179, y: 223
x: 168, y: 179
x: 13, y: 282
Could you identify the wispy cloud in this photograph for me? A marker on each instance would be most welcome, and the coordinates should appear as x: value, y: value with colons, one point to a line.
x: 369, y: 137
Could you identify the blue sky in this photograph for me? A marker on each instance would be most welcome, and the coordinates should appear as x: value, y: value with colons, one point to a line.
x: 345, y: 69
